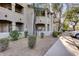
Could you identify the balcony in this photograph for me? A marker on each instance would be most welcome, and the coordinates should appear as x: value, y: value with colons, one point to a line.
x: 42, y: 20
x: 56, y: 20
x: 6, y: 5
x: 19, y: 17
x: 18, y: 8
x: 5, y: 14
x: 41, y: 5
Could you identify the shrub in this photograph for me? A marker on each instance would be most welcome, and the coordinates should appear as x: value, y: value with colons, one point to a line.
x: 14, y: 35
x: 55, y: 34
x: 26, y: 34
x: 63, y: 30
x: 4, y: 42
x: 42, y: 35
x: 31, y: 41
x: 65, y: 27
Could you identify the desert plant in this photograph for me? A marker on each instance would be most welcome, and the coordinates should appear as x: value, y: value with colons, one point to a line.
x: 42, y: 35
x: 55, y: 34
x: 31, y: 41
x: 14, y: 35
x: 26, y: 34
x: 4, y: 42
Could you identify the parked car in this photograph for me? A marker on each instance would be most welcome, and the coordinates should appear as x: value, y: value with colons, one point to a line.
x: 75, y: 34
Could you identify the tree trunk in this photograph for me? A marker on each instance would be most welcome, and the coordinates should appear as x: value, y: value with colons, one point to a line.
x: 75, y: 25
x: 60, y: 13
x: 59, y: 21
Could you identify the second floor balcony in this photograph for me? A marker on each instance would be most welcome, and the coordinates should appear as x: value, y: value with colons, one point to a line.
x: 6, y: 5
x: 6, y: 14
x: 42, y: 19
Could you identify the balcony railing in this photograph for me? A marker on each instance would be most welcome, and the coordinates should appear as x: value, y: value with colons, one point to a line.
x: 42, y: 19
x: 55, y: 20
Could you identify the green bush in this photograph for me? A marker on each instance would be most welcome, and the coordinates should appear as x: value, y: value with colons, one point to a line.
x: 26, y: 34
x: 4, y: 42
x: 31, y: 41
x: 55, y: 34
x: 14, y: 35
x: 42, y: 35
x: 65, y: 27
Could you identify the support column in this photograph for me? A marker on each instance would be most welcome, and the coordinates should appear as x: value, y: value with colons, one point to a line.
x: 13, y: 26
x: 45, y: 13
x: 25, y: 27
x: 13, y: 7
x: 45, y: 27
x: 25, y: 18
x: 51, y: 23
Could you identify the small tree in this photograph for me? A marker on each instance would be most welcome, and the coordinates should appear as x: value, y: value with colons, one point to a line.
x: 72, y: 16
x: 65, y: 27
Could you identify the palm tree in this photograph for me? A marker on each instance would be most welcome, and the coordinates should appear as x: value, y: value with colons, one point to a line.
x: 57, y: 9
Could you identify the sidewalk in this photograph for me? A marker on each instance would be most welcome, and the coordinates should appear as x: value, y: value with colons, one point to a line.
x: 58, y: 49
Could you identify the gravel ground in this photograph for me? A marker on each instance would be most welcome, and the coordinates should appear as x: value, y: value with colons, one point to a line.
x: 20, y: 47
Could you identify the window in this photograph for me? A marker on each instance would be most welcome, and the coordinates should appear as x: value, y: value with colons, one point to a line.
x: 5, y: 27
x: 40, y: 13
x: 6, y: 5
x: 19, y: 26
x: 18, y: 8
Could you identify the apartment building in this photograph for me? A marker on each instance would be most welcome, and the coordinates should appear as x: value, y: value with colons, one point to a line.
x: 12, y: 17
x: 43, y: 19
x: 20, y: 16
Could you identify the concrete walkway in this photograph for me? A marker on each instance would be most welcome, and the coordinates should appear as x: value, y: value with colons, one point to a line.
x: 58, y: 49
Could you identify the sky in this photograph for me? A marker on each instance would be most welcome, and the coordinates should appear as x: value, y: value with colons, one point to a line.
x: 64, y: 7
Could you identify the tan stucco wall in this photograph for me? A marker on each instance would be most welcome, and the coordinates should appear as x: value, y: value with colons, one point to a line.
x: 27, y: 18
x: 12, y: 15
